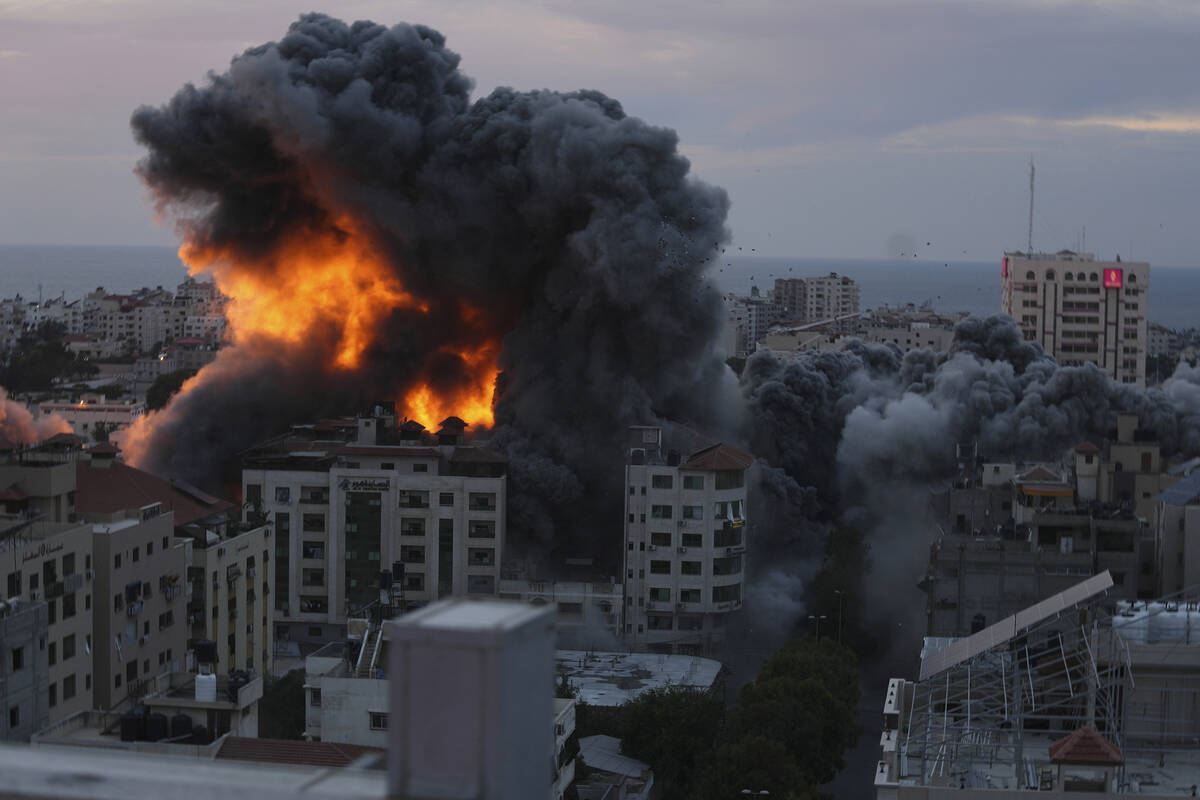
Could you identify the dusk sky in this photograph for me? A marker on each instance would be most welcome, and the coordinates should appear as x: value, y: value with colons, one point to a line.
x: 836, y: 127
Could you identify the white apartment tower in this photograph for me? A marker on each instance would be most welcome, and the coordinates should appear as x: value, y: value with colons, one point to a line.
x: 1081, y: 310
x: 353, y: 499
x: 685, y: 542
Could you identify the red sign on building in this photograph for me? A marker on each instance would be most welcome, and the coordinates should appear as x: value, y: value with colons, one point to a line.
x: 1113, y: 278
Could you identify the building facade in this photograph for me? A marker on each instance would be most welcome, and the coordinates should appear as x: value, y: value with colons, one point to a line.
x: 23, y: 669
x: 685, y: 542
x: 347, y: 508
x: 1081, y: 310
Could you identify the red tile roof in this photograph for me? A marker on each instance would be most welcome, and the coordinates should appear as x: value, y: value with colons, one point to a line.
x: 719, y: 456
x: 1086, y: 447
x: 1085, y: 746
x: 118, y: 487
x: 13, y: 494
x: 287, y: 751
x: 1040, y: 475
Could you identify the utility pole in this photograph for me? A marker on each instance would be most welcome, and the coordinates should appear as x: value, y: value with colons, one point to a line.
x: 1029, y: 244
x: 817, y: 619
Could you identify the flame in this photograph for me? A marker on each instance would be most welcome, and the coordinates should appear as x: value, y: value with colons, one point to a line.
x: 323, y: 280
x: 471, y: 401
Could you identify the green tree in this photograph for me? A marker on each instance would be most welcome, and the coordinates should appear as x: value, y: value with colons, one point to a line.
x: 165, y: 387
x: 101, y: 431
x: 805, y: 698
x: 836, y: 589
x: 281, y: 709
x: 674, y: 730
x: 112, y: 391
x: 756, y: 763
x: 37, y: 359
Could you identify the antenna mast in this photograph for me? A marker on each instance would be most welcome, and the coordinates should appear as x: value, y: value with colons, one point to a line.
x: 1029, y: 247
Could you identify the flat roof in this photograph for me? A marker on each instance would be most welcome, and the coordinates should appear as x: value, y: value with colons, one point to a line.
x: 611, y: 679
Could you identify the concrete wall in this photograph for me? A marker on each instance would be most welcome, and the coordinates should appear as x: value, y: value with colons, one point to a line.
x: 23, y: 690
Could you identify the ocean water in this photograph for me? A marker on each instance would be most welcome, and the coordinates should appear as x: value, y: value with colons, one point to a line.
x: 971, y: 286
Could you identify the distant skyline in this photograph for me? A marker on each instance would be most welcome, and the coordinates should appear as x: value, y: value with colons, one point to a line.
x: 854, y: 129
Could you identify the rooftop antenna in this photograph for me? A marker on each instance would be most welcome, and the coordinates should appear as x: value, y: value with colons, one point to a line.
x: 1029, y: 247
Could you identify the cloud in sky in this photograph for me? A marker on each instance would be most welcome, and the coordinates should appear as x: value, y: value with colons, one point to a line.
x: 831, y: 124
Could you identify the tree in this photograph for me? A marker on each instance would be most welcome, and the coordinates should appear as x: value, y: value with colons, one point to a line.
x: 756, y: 763
x: 112, y: 391
x: 674, y: 730
x: 805, y: 698
x: 165, y: 387
x: 837, y: 588
x: 101, y: 431
x: 281, y: 709
x: 38, y: 358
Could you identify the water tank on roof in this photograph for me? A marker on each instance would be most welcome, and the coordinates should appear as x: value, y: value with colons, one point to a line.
x: 206, y: 651
x: 157, y: 728
x: 206, y: 688
x: 181, y: 725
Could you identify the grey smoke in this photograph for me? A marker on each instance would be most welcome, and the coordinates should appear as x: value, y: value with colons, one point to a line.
x: 20, y: 427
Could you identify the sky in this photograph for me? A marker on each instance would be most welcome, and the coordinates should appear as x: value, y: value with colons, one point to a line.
x: 852, y: 129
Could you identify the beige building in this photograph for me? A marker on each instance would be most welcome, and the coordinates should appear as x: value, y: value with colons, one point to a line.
x: 353, y: 499
x: 93, y: 411
x: 1081, y: 310
x: 685, y: 542
x: 230, y: 604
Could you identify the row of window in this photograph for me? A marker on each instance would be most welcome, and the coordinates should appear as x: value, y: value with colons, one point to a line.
x: 727, y: 565
x: 409, y: 526
x: 136, y: 553
x: 408, y: 498
x: 1050, y: 275
x: 729, y: 510
x: 49, y: 573
x: 721, y: 538
x: 725, y: 479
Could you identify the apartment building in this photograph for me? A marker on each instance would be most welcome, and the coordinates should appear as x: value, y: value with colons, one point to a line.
x: 230, y: 579
x: 685, y: 542
x: 1081, y: 310
x: 93, y: 412
x: 23, y: 669
x: 355, y: 502
x: 746, y: 322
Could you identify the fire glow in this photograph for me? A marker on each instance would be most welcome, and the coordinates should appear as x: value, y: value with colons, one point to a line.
x: 334, y: 286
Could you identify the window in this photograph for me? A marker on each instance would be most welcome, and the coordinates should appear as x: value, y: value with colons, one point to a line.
x: 117, y: 561
x: 14, y: 584
x: 68, y: 605
x: 52, y: 607
x: 660, y: 595
x: 482, y: 529
x: 118, y: 602
x: 136, y: 554
x: 314, y: 698
x: 52, y: 653
x: 690, y: 568
x: 660, y: 567
x: 446, y: 499
x: 730, y: 479
x: 420, y: 467
x: 164, y: 543
x: 727, y: 594
x: 314, y: 631
x: 14, y: 717
x: 68, y: 564
x: 727, y: 566
x: 87, y: 681
x: 149, y: 549
x: 283, y: 494
x: 693, y: 540
x: 660, y: 512
x: 379, y: 721
x: 660, y: 539
x: 314, y: 523
x: 53, y: 695
x: 693, y: 482
x: 313, y: 550
x: 693, y: 512
x: 481, y: 557
x: 689, y: 595
x: 68, y: 649
x: 117, y: 681
x: 662, y: 481
x: 68, y: 687
x: 483, y: 584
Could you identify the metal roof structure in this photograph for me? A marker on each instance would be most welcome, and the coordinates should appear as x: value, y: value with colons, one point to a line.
x: 1183, y: 492
x: 964, y: 649
x: 1054, y: 667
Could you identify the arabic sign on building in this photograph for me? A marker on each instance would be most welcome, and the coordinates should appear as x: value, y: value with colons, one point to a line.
x: 365, y: 485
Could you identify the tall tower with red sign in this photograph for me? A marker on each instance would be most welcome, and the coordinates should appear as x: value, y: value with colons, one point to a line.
x: 1081, y: 310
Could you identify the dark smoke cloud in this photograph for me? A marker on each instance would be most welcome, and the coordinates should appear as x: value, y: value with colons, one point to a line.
x: 575, y: 230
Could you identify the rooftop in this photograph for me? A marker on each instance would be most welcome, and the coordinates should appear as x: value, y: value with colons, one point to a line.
x: 611, y: 679
x: 288, y: 751
x: 120, y: 487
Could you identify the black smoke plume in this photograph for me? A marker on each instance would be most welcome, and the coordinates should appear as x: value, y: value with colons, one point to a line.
x: 573, y: 229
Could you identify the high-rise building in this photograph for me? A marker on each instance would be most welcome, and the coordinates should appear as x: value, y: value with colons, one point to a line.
x: 351, y: 499
x: 1081, y: 310
x: 685, y: 542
